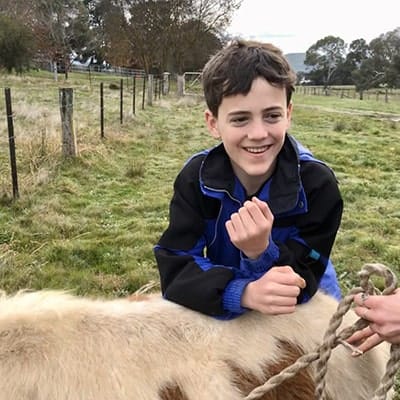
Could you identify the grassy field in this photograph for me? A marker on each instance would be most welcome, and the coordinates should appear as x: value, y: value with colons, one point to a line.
x: 90, y: 223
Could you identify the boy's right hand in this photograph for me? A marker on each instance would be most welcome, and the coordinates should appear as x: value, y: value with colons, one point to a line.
x: 275, y: 292
x: 250, y: 228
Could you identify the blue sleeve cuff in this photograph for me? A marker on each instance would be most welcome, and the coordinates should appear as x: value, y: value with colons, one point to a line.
x: 264, y: 262
x: 232, y: 297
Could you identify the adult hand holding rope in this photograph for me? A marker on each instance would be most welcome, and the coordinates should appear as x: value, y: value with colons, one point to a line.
x: 383, y: 314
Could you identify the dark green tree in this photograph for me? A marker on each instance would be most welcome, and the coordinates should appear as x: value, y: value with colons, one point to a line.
x: 358, y: 51
x: 385, y: 55
x: 106, y: 20
x: 16, y: 45
x: 160, y: 33
x: 377, y: 64
x: 366, y: 77
x: 325, y: 57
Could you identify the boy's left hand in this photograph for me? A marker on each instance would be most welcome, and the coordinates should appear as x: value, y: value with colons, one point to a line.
x: 250, y: 228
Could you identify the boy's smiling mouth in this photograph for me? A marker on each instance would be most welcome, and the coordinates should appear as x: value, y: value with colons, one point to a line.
x: 257, y: 150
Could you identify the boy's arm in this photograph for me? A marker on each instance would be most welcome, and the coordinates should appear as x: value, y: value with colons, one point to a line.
x: 187, y: 276
x: 309, y: 247
x: 194, y: 282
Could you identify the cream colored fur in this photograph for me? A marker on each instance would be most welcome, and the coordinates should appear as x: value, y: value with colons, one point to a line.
x: 54, y: 346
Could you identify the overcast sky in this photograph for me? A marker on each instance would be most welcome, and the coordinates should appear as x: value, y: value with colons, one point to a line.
x: 295, y: 25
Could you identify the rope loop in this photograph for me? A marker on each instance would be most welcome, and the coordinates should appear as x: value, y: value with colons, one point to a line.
x: 332, y: 339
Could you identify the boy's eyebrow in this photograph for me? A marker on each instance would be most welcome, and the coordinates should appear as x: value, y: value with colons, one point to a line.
x: 273, y: 108
x: 267, y: 109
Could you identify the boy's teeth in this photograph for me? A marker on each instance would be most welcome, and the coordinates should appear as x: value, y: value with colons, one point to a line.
x: 256, y: 149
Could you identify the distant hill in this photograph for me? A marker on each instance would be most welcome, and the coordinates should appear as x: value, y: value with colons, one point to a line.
x: 296, y: 61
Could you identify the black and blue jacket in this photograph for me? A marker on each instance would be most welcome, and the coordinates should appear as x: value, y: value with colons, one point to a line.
x: 199, y: 266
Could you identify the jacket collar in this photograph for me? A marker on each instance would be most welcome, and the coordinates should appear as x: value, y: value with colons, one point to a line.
x: 216, y: 174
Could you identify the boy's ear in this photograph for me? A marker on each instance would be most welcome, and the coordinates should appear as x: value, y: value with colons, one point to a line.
x: 290, y: 109
x: 289, y: 113
x: 212, y: 125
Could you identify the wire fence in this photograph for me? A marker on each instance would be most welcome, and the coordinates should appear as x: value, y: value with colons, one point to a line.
x: 35, y: 114
x: 378, y: 94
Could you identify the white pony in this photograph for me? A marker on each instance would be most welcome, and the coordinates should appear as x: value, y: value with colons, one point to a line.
x: 55, y: 346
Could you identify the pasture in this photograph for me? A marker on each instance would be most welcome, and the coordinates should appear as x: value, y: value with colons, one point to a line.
x: 89, y: 224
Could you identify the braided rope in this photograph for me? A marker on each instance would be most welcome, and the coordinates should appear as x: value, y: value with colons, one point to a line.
x: 331, y: 340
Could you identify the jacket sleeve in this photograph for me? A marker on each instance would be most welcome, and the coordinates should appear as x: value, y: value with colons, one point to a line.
x: 187, y: 276
x: 309, y: 246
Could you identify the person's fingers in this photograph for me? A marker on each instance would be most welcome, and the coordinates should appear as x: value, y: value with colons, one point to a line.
x: 245, y: 220
x: 280, y: 291
x: 362, y: 299
x: 236, y: 221
x: 365, y: 313
x: 369, y: 343
x: 286, y: 276
x: 301, y: 282
x: 359, y: 336
x: 235, y: 227
x: 230, y: 229
x: 250, y: 216
x: 263, y: 206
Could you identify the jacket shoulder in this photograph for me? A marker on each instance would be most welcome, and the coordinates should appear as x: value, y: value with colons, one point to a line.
x: 192, y: 165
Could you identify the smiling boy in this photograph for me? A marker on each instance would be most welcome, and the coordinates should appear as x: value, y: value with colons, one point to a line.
x: 252, y: 220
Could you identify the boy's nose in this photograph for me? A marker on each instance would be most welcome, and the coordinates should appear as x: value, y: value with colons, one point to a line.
x: 257, y: 131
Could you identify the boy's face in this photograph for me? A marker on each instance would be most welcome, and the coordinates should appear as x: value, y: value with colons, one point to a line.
x: 252, y: 128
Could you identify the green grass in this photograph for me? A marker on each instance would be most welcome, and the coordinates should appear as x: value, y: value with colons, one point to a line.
x: 90, y: 223
x: 365, y: 154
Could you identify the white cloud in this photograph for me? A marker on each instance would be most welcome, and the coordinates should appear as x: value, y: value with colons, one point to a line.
x: 295, y: 25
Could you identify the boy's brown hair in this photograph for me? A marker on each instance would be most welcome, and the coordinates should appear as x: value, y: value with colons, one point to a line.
x: 233, y: 69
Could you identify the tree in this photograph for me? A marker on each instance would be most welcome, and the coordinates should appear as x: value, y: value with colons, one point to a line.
x: 160, y: 33
x: 385, y: 56
x: 358, y: 51
x: 200, y: 23
x: 366, y: 77
x: 358, y: 62
x: 59, y: 27
x: 148, y: 28
x: 106, y: 20
x: 325, y: 56
x: 196, y: 54
x: 16, y: 45
x: 377, y: 64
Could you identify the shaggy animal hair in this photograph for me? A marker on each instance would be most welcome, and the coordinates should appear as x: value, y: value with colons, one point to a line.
x: 55, y: 346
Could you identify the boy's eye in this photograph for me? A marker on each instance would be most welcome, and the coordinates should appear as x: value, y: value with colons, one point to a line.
x: 239, y: 120
x: 273, y: 116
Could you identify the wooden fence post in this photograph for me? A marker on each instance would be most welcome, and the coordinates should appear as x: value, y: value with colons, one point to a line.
x: 55, y: 70
x: 69, y: 146
x: 150, y: 89
x: 134, y: 95
x: 165, y: 83
x: 102, y: 110
x: 121, y: 101
x: 11, y: 143
x: 155, y: 81
x: 180, y: 85
x: 144, y: 90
